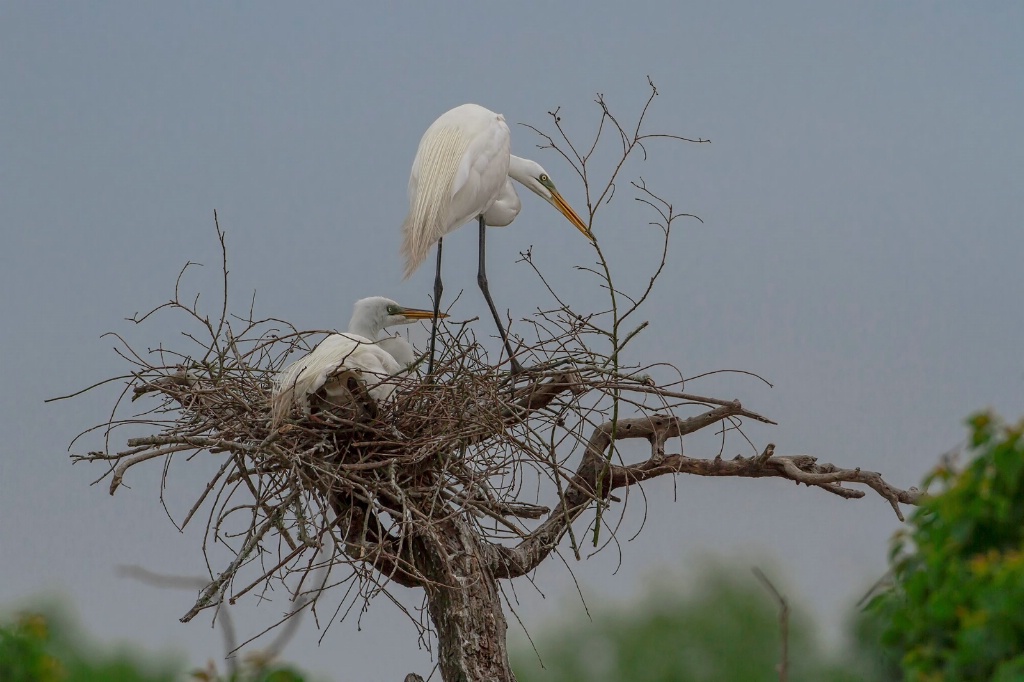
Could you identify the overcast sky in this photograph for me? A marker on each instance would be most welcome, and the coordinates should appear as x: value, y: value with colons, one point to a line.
x: 861, y: 249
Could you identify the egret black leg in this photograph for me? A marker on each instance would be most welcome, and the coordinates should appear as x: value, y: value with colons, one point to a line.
x: 481, y: 279
x: 438, y: 288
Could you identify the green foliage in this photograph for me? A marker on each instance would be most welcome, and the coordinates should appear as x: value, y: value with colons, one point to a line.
x: 38, y: 648
x: 44, y: 648
x: 725, y: 630
x: 23, y: 651
x: 956, y: 612
x: 867, y: 658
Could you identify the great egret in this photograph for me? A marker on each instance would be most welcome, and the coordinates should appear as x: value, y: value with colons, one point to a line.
x: 354, y: 354
x: 463, y: 171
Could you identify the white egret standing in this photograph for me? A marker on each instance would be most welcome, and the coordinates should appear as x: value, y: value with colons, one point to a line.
x: 462, y: 172
x: 355, y: 354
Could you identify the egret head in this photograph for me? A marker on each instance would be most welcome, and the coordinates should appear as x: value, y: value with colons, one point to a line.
x: 373, y: 314
x: 531, y: 175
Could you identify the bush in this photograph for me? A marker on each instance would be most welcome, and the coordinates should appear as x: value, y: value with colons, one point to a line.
x: 40, y: 648
x: 957, y: 609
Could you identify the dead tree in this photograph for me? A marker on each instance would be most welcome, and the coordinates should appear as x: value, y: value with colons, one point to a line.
x: 458, y: 482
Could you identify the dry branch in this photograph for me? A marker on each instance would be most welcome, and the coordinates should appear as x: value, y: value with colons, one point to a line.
x: 453, y: 483
x: 783, y: 666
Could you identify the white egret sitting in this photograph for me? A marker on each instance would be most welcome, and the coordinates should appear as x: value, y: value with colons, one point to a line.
x: 463, y: 171
x: 355, y: 354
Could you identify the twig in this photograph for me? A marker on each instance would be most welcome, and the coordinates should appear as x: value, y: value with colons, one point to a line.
x: 783, y: 666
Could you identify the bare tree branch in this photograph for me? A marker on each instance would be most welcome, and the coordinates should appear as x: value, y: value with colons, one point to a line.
x: 595, y: 466
x: 458, y: 480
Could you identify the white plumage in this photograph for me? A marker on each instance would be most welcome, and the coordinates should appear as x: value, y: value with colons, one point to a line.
x: 355, y: 354
x: 463, y: 164
x: 505, y: 207
x: 463, y: 171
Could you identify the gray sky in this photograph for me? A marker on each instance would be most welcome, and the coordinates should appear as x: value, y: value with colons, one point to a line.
x: 861, y: 249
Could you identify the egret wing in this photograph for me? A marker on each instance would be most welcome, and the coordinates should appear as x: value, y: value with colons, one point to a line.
x: 460, y: 166
x: 335, y: 355
x: 483, y: 170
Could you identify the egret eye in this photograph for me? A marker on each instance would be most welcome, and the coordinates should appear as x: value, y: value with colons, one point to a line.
x: 392, y: 310
x: 544, y: 178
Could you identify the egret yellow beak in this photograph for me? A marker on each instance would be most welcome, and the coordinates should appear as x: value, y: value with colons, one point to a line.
x: 565, y: 209
x: 418, y: 314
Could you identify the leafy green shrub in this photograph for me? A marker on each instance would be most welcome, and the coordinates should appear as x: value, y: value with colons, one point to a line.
x: 956, y: 612
x: 40, y: 648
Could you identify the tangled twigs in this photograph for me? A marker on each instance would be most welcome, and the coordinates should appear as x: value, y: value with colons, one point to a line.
x: 657, y: 429
x: 452, y: 483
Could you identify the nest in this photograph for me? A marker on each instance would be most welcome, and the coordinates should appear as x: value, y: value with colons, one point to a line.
x: 345, y: 483
x: 471, y: 440
x: 472, y: 452
x: 352, y: 484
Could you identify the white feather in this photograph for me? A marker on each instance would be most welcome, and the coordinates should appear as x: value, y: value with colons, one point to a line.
x: 329, y: 366
x: 400, y: 349
x: 460, y: 166
x: 462, y: 170
x: 355, y: 354
x: 505, y: 208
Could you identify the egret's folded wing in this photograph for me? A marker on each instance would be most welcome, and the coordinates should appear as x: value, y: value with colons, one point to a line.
x: 306, y: 376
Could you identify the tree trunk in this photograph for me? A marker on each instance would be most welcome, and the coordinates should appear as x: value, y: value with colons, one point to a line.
x: 464, y: 603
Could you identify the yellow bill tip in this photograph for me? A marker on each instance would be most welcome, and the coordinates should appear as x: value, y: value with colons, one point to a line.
x: 565, y: 209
